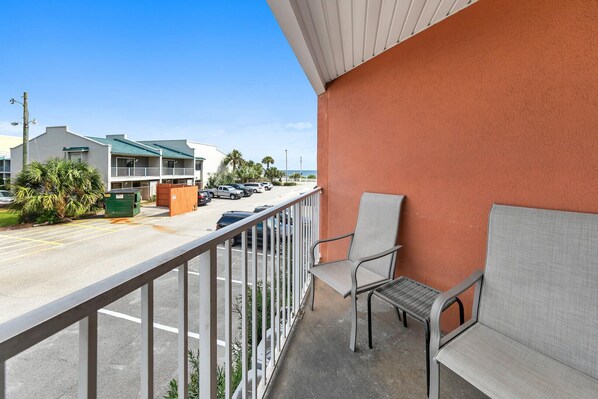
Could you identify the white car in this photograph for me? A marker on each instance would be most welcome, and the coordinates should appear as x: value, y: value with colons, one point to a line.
x: 268, y: 185
x: 256, y: 187
x: 6, y: 197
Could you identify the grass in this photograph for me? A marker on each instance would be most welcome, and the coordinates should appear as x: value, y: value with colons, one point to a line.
x: 8, y: 218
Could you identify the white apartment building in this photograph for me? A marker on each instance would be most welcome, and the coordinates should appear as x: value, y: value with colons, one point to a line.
x: 123, y: 163
x: 6, y: 143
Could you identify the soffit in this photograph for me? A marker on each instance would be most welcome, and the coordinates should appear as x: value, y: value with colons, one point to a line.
x: 331, y: 37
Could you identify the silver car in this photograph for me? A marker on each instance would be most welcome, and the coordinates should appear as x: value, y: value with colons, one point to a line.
x: 6, y: 197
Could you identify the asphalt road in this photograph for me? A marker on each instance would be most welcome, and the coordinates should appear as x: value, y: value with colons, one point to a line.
x: 41, y: 264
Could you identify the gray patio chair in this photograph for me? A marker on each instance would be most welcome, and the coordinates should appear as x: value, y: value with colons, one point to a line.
x: 372, y: 252
x: 534, y: 326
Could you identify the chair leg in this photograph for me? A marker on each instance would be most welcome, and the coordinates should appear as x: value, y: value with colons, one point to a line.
x: 434, y: 389
x: 427, y: 333
x: 399, y: 314
x: 313, y: 290
x: 461, y: 316
x: 353, y: 341
x: 404, y: 319
x: 370, y: 319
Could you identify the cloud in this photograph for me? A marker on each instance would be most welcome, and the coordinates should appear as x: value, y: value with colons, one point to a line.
x: 298, y: 126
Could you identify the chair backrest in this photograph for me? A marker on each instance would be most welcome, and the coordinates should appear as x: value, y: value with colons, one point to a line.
x: 541, y: 282
x: 376, y: 230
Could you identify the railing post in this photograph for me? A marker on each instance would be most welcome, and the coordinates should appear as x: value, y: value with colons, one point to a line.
x: 207, y: 324
x: 244, y: 262
x: 147, y: 340
x: 88, y: 357
x: 228, y: 334
x: 2, y: 380
x: 183, y: 339
x: 254, y: 337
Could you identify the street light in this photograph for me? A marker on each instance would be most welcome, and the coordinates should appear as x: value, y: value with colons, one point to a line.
x: 25, y: 123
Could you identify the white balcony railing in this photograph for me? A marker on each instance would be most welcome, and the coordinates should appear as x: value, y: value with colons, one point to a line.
x: 135, y: 172
x: 284, y: 267
x: 178, y: 171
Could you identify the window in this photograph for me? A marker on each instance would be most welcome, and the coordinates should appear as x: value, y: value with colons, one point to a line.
x: 198, y: 165
x: 125, y: 162
x: 76, y: 156
x: 169, y: 164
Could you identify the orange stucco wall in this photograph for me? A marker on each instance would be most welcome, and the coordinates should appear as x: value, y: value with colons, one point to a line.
x: 497, y: 104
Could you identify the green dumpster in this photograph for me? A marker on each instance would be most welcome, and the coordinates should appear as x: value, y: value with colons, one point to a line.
x: 122, y: 203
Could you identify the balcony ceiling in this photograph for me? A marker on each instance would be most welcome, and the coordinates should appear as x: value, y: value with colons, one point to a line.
x: 331, y: 37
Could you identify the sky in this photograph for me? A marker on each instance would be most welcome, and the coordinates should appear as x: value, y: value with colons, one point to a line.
x: 217, y: 72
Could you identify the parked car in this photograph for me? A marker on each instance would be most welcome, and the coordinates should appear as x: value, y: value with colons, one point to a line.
x: 231, y: 217
x: 265, y: 207
x: 268, y: 185
x: 203, y: 197
x: 225, y: 192
x: 248, y: 192
x: 6, y: 197
x: 257, y: 187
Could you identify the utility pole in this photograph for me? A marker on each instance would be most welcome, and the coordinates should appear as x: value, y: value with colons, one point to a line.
x: 25, y: 130
x: 286, y: 165
x: 25, y: 126
x: 300, y: 168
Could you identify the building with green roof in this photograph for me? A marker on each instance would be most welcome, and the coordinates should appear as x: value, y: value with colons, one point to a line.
x: 123, y: 163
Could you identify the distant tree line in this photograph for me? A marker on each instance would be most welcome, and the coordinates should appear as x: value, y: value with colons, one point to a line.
x: 243, y: 171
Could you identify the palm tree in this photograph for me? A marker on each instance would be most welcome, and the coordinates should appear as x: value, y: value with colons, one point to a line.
x: 58, y: 189
x: 268, y: 160
x: 235, y: 158
x: 273, y: 173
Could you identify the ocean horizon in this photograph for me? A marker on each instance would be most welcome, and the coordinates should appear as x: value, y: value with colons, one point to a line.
x: 305, y: 172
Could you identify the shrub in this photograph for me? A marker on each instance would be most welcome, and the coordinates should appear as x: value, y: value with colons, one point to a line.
x: 220, y: 179
x: 57, y: 189
x: 290, y: 183
x: 237, y: 356
x: 277, y: 183
x: 312, y: 177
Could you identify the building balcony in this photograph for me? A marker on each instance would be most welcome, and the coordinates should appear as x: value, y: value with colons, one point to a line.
x: 126, y: 173
x: 316, y: 363
x: 186, y: 172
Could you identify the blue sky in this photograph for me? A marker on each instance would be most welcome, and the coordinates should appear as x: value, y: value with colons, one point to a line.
x: 219, y: 72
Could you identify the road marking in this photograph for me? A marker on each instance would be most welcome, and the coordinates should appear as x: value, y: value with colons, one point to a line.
x: 217, y: 278
x: 34, y: 240
x: 85, y: 238
x: 18, y: 249
x: 156, y: 325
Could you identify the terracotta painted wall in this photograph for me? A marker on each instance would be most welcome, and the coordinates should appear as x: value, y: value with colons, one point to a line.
x: 498, y: 103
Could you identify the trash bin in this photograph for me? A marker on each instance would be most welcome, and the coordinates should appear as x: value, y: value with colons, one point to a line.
x: 122, y: 203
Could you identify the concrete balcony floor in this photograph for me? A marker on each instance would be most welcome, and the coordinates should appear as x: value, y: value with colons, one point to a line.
x: 318, y: 363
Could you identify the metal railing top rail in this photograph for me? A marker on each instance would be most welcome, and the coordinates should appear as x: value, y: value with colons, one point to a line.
x: 22, y: 332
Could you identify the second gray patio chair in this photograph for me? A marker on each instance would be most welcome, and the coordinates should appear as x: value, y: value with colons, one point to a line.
x: 372, y: 252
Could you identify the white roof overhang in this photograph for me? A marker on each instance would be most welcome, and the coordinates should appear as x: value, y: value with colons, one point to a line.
x: 331, y: 37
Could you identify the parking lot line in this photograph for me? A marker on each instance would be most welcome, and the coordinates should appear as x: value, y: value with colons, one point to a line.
x: 18, y: 249
x: 156, y: 325
x: 17, y: 238
x: 217, y: 278
x: 61, y: 236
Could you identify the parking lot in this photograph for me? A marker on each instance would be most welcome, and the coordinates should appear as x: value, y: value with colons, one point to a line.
x: 40, y: 264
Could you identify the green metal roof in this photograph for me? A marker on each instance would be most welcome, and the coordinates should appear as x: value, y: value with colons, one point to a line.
x: 121, y: 147
x: 170, y: 153
x: 75, y: 149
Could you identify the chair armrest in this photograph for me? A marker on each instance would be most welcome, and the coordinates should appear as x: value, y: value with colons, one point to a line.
x: 357, y: 263
x: 318, y: 242
x: 441, y: 301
